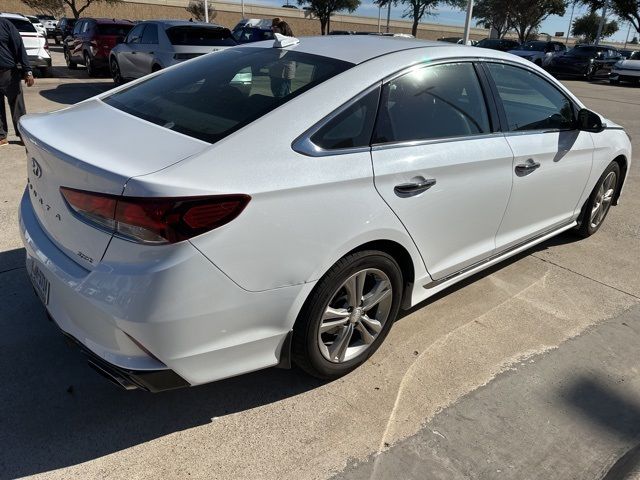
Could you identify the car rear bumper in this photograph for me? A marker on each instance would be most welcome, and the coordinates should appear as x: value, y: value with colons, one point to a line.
x: 150, y: 316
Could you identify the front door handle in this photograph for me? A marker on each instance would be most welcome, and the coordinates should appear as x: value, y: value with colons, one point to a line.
x: 414, y: 188
x: 523, y: 169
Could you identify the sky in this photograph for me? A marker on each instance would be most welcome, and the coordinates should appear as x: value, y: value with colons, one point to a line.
x: 448, y: 16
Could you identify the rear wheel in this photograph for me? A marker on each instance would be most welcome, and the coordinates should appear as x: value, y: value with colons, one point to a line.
x: 114, y: 67
x: 348, y: 314
x: 595, y: 210
x: 614, y: 81
x: 71, y: 65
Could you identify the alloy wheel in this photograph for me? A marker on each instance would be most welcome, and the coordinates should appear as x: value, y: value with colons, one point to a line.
x: 355, y: 315
x: 603, y: 200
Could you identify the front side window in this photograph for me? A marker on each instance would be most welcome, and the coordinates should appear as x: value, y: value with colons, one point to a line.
x: 530, y: 102
x: 433, y: 102
x: 350, y: 128
x: 135, y: 35
x: 114, y: 29
x: 215, y: 95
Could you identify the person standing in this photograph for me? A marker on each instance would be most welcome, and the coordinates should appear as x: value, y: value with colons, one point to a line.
x: 14, y: 67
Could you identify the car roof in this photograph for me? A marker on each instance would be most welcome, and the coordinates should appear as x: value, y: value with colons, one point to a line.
x: 358, y: 48
x: 105, y: 21
x: 179, y: 23
x: 13, y: 15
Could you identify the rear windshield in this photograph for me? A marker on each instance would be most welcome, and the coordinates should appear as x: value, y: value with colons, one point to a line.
x: 114, y: 29
x: 200, y: 36
x: 22, y: 25
x: 216, y: 94
x: 45, y: 17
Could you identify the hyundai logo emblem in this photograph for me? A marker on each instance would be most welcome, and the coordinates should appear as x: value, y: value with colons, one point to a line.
x: 36, y: 168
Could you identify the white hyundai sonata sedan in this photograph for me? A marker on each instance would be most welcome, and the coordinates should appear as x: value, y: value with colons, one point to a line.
x: 190, y: 230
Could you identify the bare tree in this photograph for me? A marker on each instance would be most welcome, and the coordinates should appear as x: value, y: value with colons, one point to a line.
x: 46, y: 7
x: 196, y: 8
x: 417, y: 9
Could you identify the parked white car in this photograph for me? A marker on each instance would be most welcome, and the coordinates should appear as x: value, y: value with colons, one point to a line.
x: 36, y: 23
x: 34, y: 43
x: 626, y: 70
x: 229, y: 230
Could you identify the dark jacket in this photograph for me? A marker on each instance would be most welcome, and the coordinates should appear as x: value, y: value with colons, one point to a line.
x: 12, y: 52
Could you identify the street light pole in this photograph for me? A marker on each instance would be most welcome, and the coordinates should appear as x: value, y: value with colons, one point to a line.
x: 602, y: 20
x: 626, y: 39
x: 388, y: 14
x: 242, y: 5
x: 206, y: 11
x: 467, y: 22
x: 379, y: 16
x: 573, y: 7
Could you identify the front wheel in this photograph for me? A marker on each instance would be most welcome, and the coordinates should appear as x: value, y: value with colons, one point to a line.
x: 71, y: 65
x: 597, y: 206
x: 348, y: 314
x: 88, y: 63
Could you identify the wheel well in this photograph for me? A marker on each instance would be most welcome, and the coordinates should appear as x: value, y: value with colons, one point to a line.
x: 400, y: 255
x: 622, y: 163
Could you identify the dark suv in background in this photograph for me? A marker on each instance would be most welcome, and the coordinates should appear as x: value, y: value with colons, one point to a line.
x: 64, y: 29
x: 586, y: 61
x: 91, y: 42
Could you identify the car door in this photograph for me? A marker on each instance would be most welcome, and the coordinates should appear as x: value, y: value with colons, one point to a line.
x: 440, y: 165
x: 147, y: 49
x: 129, y: 52
x: 552, y: 159
x: 75, y: 43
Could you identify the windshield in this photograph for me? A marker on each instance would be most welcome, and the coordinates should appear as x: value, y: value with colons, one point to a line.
x: 534, y: 46
x: 582, y: 52
x: 635, y: 56
x: 22, y: 25
x: 216, y: 94
x: 113, y: 29
x: 486, y: 43
x: 200, y: 36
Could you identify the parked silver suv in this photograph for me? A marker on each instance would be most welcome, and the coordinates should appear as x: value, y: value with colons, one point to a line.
x: 153, y: 45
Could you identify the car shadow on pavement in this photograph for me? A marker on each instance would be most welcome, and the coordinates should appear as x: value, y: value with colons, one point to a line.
x: 615, y: 413
x: 70, y: 93
x: 57, y: 412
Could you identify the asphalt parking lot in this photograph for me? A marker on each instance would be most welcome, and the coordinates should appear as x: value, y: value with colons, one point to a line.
x: 528, y: 370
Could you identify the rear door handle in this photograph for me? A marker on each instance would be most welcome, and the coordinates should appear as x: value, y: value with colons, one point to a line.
x: 414, y: 188
x: 523, y: 169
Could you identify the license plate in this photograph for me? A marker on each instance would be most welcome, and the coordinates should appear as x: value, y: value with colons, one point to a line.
x: 40, y: 283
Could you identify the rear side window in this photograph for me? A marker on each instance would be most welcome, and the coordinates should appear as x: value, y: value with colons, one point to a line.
x: 215, y: 95
x: 22, y: 25
x: 530, y: 102
x: 200, y: 36
x: 150, y: 35
x: 113, y: 29
x: 432, y: 102
x: 350, y: 128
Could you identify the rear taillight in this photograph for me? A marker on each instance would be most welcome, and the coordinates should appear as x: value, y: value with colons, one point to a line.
x: 155, y: 220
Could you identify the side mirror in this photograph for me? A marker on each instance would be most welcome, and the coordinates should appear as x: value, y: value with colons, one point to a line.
x: 589, y: 121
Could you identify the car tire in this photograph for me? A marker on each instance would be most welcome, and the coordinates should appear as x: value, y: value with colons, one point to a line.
x: 597, y: 206
x: 57, y: 40
x: 116, y: 74
x: 614, y: 82
x: 71, y: 65
x: 353, y: 304
x: 88, y: 63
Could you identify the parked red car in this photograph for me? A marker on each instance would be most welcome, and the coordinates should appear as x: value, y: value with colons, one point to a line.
x: 91, y: 42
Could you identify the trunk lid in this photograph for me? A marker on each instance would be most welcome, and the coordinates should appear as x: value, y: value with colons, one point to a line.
x: 102, y: 149
x: 32, y: 42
